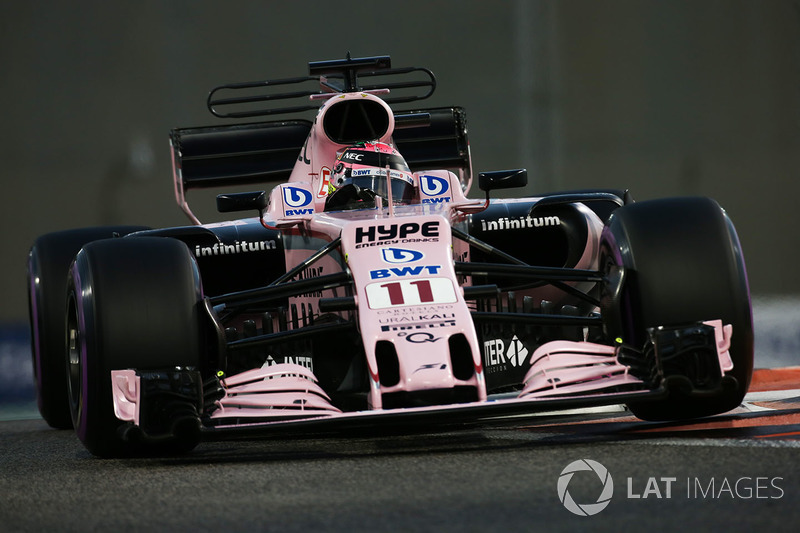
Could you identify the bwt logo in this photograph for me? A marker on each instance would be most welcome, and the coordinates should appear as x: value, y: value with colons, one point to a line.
x: 404, y: 271
x: 400, y: 255
x: 297, y: 198
x: 434, y: 185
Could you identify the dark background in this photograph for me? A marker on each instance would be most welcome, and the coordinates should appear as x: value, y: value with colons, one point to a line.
x: 664, y: 98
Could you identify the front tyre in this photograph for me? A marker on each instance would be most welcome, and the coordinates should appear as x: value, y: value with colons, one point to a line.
x: 133, y: 303
x: 48, y: 265
x: 683, y: 264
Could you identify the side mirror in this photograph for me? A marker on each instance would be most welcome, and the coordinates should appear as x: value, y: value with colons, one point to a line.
x: 502, y: 179
x: 242, y: 201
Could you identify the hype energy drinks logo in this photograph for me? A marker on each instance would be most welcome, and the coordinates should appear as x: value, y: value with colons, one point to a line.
x: 392, y: 234
x: 594, y: 486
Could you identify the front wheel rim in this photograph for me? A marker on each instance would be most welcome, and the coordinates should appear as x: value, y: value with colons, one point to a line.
x: 74, y: 369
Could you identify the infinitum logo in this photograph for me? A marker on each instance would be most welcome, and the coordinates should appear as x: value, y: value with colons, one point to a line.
x: 585, y: 509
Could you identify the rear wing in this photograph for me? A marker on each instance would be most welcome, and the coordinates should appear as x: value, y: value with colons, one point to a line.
x: 264, y: 152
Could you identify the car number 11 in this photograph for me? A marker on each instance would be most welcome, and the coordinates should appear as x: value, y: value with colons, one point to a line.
x: 410, y: 292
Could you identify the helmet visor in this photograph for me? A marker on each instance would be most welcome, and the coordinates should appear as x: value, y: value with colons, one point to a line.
x: 402, y: 187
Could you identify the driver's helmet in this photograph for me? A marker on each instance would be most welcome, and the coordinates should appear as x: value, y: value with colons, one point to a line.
x: 359, y: 174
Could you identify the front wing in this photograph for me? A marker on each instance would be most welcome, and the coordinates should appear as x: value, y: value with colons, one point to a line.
x: 285, y: 398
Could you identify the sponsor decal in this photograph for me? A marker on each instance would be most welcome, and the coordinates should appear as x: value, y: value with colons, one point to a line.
x: 304, y: 154
x: 401, y: 293
x: 419, y: 337
x: 420, y: 325
x: 436, y: 200
x: 384, y: 234
x: 495, y: 352
x: 310, y: 272
x: 400, y: 255
x: 239, y: 247
x: 415, y: 318
x: 404, y: 271
x: 435, y: 187
x: 435, y: 309
x: 516, y: 352
x: 352, y: 156
x: 492, y: 352
x: 378, y: 172
x: 431, y: 366
x: 324, y: 182
x: 301, y: 360
x: 297, y: 199
x: 505, y: 223
x: 294, y: 212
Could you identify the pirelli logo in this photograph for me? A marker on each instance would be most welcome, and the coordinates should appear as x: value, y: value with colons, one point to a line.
x: 420, y: 325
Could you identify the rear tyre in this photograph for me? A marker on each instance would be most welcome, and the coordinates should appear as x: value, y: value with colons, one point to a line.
x: 48, y: 264
x: 683, y: 264
x: 132, y: 304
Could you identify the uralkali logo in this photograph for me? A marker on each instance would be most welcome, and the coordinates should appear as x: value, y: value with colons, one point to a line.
x: 585, y: 509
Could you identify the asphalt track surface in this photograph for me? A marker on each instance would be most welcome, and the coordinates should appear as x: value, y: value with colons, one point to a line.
x: 737, y: 471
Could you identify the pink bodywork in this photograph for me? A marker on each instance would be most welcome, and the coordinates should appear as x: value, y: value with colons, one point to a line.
x: 290, y: 392
x: 126, y: 390
x: 283, y: 390
x: 567, y: 368
x: 430, y: 298
x: 406, y: 292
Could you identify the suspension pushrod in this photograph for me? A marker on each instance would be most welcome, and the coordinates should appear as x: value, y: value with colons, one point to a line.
x: 276, y: 292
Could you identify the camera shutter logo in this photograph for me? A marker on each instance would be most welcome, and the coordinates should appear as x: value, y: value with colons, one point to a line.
x: 585, y: 509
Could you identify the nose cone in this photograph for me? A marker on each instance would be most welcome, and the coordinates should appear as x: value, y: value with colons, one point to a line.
x: 424, y: 361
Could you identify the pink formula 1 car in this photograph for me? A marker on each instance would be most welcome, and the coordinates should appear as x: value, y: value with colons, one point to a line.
x: 371, y: 290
